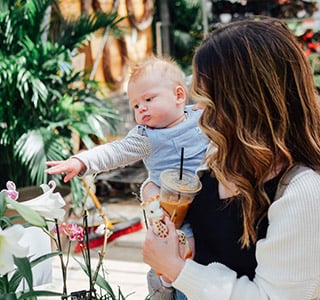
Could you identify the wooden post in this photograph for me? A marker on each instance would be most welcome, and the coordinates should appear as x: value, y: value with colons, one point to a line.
x: 165, y: 26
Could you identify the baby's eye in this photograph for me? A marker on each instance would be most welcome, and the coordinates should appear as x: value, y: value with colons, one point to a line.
x: 136, y: 106
x: 148, y: 99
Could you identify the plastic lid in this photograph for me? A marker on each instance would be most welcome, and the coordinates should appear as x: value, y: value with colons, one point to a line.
x: 189, y: 183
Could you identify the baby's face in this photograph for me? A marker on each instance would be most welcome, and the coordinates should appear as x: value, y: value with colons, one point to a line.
x: 154, y: 101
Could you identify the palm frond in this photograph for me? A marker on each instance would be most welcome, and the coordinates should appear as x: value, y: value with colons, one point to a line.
x: 19, y: 19
x: 35, y: 147
x: 41, y: 104
x: 73, y: 32
x: 35, y: 13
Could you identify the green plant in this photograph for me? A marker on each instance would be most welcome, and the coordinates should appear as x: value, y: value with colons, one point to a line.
x: 41, y: 103
x: 16, y: 263
x: 186, y: 29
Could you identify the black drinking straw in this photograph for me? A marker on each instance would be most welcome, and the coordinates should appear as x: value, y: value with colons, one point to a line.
x: 181, y: 163
x: 180, y: 178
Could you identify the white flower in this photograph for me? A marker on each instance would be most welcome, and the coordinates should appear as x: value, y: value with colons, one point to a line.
x: 102, y: 230
x: 49, y: 205
x: 9, y: 246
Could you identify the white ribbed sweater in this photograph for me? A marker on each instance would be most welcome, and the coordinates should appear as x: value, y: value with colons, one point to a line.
x: 288, y: 258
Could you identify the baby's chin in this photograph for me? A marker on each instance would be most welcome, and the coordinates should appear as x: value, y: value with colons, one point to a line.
x: 148, y: 124
x: 151, y: 124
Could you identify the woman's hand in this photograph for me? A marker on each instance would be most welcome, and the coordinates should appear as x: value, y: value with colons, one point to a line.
x: 162, y: 254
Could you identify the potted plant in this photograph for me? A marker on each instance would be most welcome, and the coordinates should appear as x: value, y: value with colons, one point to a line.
x: 41, y: 101
x: 19, y: 256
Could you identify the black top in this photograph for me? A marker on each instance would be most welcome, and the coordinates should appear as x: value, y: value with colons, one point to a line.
x: 217, y: 228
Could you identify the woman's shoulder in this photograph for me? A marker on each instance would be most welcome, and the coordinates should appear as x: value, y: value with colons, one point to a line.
x: 300, y: 178
x: 298, y: 191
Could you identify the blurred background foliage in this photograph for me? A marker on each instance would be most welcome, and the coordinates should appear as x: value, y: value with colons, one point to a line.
x: 44, y: 102
x: 188, y: 21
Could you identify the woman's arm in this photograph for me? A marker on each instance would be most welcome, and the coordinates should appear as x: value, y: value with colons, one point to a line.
x: 288, y: 258
x: 162, y: 254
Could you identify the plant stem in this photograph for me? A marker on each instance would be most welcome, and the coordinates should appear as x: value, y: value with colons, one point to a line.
x: 88, y: 260
x: 106, y: 223
x: 63, y: 267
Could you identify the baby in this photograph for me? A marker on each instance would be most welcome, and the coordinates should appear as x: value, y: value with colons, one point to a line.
x: 158, y: 95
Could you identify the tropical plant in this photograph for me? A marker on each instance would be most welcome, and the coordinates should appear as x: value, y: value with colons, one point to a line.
x: 43, y: 100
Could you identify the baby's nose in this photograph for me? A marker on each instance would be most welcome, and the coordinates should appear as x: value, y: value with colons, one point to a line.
x: 142, y: 108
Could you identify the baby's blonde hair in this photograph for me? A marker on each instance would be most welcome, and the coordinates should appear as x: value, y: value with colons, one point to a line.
x: 164, y: 64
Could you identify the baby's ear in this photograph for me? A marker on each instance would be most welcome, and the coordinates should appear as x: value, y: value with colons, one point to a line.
x: 181, y: 94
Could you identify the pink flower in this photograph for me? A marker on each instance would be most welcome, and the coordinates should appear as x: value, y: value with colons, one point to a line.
x: 73, y: 231
x: 11, y: 190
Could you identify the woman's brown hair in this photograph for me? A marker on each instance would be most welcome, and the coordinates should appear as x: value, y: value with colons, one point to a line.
x: 261, y: 108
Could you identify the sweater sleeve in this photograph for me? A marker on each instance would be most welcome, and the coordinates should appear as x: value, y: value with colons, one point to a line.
x: 288, y: 258
x: 132, y: 148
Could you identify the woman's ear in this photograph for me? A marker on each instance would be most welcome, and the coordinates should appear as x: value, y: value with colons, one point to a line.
x: 181, y: 94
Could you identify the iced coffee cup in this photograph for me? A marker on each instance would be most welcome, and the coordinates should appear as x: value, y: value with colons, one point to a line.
x: 177, y: 191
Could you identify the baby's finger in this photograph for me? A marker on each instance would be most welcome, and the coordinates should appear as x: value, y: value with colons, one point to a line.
x: 69, y: 176
x: 53, y: 163
x: 56, y: 170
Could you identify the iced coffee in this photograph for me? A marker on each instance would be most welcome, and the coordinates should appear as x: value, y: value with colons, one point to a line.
x: 177, y: 191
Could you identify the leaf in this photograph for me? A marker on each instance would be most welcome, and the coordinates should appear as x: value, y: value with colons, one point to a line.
x: 27, y: 213
x: 32, y: 294
x: 35, y: 147
x: 2, y: 204
x: 39, y: 89
x: 45, y: 257
x: 18, y: 276
x: 24, y: 267
x: 11, y: 296
x: 101, y: 282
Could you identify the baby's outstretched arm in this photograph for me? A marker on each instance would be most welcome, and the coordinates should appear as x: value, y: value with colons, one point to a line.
x: 71, y: 166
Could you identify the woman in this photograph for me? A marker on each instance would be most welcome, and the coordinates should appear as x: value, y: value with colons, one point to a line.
x: 256, y: 221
